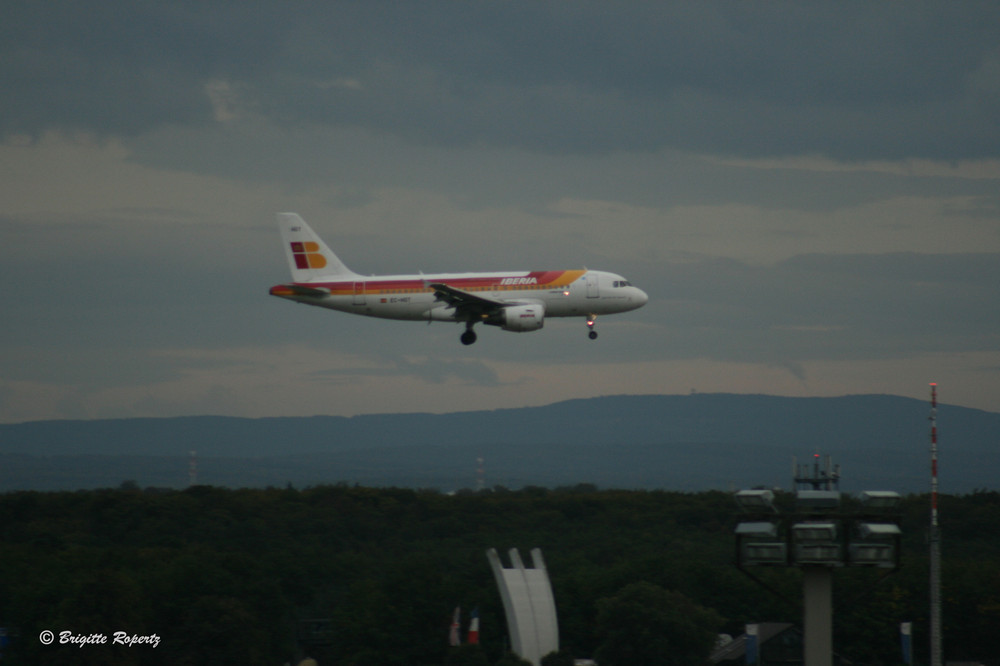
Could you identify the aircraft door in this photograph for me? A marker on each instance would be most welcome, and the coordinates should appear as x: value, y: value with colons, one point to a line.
x: 359, y: 293
x: 593, y: 285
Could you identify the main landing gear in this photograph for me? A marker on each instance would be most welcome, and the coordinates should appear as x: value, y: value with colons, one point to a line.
x: 469, y: 336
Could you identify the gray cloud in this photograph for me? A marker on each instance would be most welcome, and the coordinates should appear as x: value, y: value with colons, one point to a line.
x: 433, y: 370
x: 831, y: 307
x: 352, y: 165
x: 147, y: 147
x: 854, y: 80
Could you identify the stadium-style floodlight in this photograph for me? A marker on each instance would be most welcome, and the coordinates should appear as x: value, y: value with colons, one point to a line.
x: 762, y: 529
x: 881, y: 500
x: 817, y: 501
x: 755, y: 501
x: 816, y: 543
x: 758, y: 544
x: 877, y: 545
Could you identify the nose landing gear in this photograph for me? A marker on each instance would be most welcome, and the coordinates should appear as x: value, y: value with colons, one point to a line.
x: 590, y: 324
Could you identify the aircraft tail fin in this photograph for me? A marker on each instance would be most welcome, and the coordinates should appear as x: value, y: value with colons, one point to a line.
x: 308, y: 256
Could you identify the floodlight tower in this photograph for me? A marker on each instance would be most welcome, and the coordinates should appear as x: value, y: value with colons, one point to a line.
x: 818, y: 537
x: 935, y: 540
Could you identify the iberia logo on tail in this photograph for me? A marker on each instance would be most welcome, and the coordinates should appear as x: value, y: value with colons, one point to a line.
x: 307, y: 255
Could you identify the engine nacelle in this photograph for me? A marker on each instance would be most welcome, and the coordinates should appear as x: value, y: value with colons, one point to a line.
x: 520, y: 318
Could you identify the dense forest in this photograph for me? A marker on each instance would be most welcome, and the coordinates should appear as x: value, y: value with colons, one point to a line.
x: 356, y: 575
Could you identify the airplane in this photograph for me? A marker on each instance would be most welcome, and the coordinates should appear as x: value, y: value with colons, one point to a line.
x: 514, y: 301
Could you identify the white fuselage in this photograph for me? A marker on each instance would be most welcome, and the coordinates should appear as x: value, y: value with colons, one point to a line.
x: 518, y: 302
x: 576, y: 293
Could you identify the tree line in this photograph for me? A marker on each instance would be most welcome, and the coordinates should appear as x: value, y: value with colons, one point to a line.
x: 358, y: 575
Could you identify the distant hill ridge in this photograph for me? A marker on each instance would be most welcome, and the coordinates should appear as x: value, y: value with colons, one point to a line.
x: 680, y: 442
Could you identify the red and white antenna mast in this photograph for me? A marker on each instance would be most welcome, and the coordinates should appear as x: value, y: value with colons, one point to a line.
x: 935, y: 540
x: 193, y: 469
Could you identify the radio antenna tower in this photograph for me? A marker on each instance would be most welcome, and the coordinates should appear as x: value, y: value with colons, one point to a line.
x: 480, y: 474
x: 824, y: 476
x: 935, y: 540
x: 193, y: 469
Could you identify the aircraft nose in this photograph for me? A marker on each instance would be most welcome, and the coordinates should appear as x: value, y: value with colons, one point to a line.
x: 639, y: 298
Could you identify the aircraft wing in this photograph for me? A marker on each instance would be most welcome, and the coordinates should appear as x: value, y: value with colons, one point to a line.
x: 464, y: 300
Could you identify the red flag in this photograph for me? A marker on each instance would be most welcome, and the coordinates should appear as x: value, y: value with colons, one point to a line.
x: 453, y: 637
x: 474, y: 627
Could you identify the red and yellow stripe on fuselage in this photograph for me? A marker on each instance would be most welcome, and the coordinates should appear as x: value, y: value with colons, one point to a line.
x: 412, y: 297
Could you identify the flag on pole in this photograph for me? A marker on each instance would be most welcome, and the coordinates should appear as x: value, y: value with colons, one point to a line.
x: 453, y: 637
x: 752, y: 646
x: 906, y: 638
x: 474, y: 627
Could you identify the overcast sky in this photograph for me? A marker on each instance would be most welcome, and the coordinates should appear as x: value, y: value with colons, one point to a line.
x: 808, y: 192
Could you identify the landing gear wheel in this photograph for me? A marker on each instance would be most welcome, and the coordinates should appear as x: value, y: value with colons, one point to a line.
x: 592, y: 335
x: 590, y: 324
x: 468, y: 337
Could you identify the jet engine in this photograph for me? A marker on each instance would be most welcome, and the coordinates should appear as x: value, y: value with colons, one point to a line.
x: 520, y: 318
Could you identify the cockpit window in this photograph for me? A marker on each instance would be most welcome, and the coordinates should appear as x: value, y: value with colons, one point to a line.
x: 621, y: 283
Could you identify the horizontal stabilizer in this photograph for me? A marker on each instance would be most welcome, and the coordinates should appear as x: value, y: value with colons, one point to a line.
x: 298, y: 290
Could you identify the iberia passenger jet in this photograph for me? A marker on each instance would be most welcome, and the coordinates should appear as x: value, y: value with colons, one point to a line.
x: 513, y: 301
